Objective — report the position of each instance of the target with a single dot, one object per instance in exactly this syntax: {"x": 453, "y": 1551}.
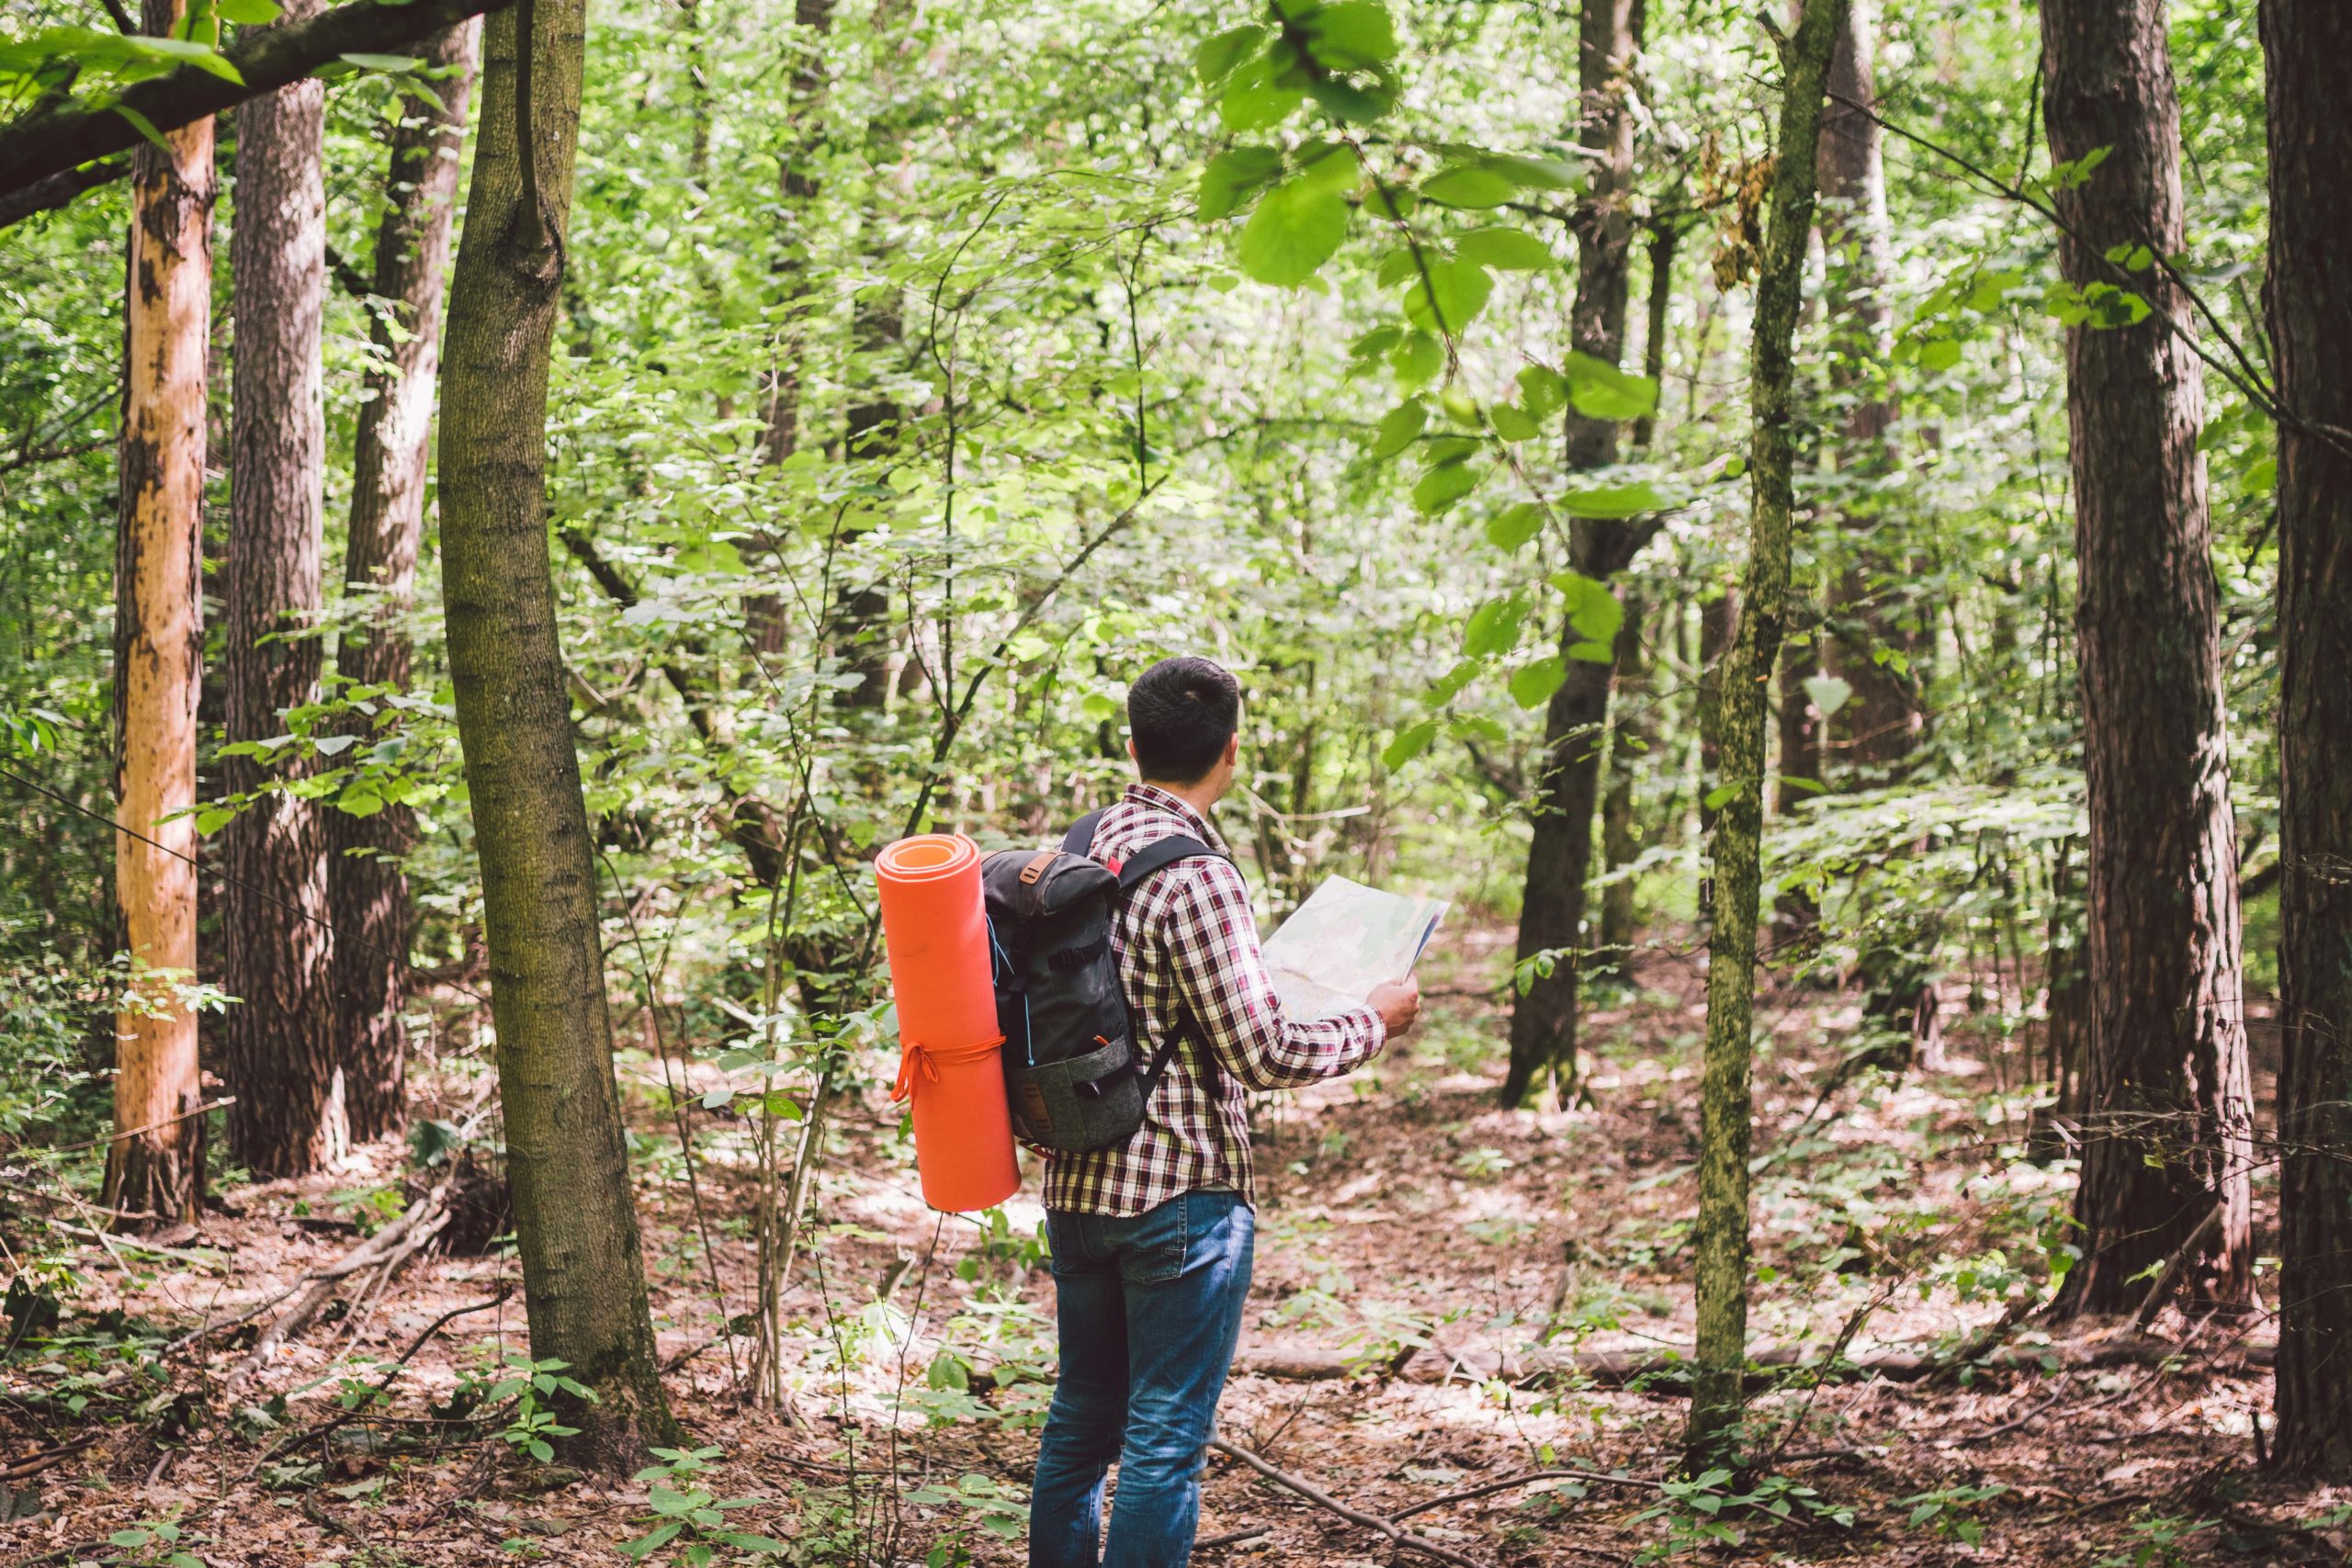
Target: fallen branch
{"x": 319, "y": 1432}
{"x": 388, "y": 1248}
{"x": 1667, "y": 1372}
{"x": 1396, "y": 1534}
{"x": 1592, "y": 1477}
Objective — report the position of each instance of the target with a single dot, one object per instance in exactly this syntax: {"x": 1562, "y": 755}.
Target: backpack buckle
{"x": 1036, "y": 868}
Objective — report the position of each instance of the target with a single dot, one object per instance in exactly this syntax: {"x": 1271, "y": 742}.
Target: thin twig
{"x": 1313, "y": 1494}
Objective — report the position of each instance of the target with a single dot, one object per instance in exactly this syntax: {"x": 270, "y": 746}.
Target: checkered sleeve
{"x": 1213, "y": 940}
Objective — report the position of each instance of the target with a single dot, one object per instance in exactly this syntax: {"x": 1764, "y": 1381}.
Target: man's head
{"x": 1183, "y": 719}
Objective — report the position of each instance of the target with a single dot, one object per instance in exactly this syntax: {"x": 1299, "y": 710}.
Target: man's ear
{"x": 1233, "y": 748}
{"x": 1131, "y": 754}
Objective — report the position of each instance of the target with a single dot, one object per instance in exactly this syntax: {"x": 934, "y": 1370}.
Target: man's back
{"x": 1187, "y": 946}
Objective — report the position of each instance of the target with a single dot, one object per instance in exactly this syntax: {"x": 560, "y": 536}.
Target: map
{"x": 1343, "y": 941}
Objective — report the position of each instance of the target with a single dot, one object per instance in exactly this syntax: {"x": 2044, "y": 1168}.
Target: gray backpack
{"x": 1070, "y": 1073}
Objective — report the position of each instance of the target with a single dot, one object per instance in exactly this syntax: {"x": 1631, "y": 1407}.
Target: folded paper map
{"x": 1344, "y": 941}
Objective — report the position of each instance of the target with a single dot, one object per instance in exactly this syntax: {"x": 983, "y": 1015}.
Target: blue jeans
{"x": 1149, "y": 1309}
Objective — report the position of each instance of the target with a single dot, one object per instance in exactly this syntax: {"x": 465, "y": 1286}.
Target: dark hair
{"x": 1181, "y": 712}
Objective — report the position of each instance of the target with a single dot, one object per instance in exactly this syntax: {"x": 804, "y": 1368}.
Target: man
{"x": 1151, "y": 1240}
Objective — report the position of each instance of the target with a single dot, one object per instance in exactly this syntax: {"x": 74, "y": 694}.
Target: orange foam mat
{"x": 936, "y": 930}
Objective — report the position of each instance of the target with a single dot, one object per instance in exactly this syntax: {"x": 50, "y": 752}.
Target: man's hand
{"x": 1398, "y": 1003}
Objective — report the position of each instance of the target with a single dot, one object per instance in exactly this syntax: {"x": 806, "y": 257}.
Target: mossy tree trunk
{"x": 575, "y": 1220}
{"x": 1724, "y": 1109}
{"x": 369, "y": 890}
{"x": 2168, "y": 1113}
{"x": 156, "y": 1163}
{"x": 2308, "y": 47}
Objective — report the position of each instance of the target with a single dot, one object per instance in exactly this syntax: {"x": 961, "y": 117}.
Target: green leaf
{"x": 1531, "y": 685}
{"x": 1515, "y": 525}
{"x": 1542, "y": 389}
{"x": 1354, "y": 35}
{"x": 1418, "y": 359}
{"x": 1460, "y": 288}
{"x": 1939, "y": 354}
{"x": 1215, "y": 58}
{"x": 1493, "y": 627}
{"x": 1411, "y": 742}
{"x": 1593, "y": 611}
{"x": 1611, "y": 501}
{"x": 1232, "y": 176}
{"x": 246, "y": 12}
{"x": 1591, "y": 652}
{"x": 646, "y": 1545}
{"x": 1444, "y": 485}
{"x": 1467, "y": 186}
{"x": 1506, "y": 250}
{"x": 129, "y": 1540}
{"x": 1399, "y": 428}
{"x": 1293, "y": 233}
{"x": 1514, "y": 423}
{"x": 395, "y": 63}
{"x": 1721, "y": 796}
{"x": 1601, "y": 390}
{"x": 1828, "y": 693}
{"x": 1532, "y": 173}
{"x": 1252, "y": 103}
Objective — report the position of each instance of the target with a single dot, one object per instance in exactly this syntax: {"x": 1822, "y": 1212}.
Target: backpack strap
{"x": 1133, "y": 873}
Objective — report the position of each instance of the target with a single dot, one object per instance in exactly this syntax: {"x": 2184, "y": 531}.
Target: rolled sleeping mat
{"x": 936, "y": 930}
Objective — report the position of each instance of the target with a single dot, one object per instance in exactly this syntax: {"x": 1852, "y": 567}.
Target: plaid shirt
{"x": 1188, "y": 935}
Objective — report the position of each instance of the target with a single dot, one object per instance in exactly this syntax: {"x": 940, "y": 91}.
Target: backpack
{"x": 1071, "y": 1074}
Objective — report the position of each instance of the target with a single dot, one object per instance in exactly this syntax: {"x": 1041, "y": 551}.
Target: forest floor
{"x": 1415, "y": 1243}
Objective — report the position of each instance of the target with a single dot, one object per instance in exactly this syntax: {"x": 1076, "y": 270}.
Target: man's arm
{"x": 1221, "y": 975}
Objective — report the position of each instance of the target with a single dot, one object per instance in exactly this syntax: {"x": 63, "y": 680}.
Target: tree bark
{"x": 1871, "y": 647}
{"x": 567, "y": 1158}
{"x": 2307, "y": 45}
{"x": 370, "y": 890}
{"x": 156, "y": 1163}
{"x": 282, "y": 1062}
{"x": 1724, "y": 1099}
{"x": 1559, "y": 850}
{"x": 2167, "y": 1133}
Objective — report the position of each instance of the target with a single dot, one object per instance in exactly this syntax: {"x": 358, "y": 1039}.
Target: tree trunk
{"x": 1632, "y": 735}
{"x": 283, "y": 1064}
{"x": 370, "y": 890}
{"x": 766, "y": 616}
{"x": 2169, "y": 1123}
{"x": 1559, "y": 852}
{"x": 575, "y": 1221}
{"x": 156, "y": 1163}
{"x": 1634, "y": 726}
{"x": 1725, "y": 1101}
{"x": 2308, "y": 47}
{"x": 1871, "y": 647}
{"x": 1797, "y": 770}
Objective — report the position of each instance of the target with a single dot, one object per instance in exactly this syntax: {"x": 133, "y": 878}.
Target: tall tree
{"x": 2168, "y": 1113}
{"x": 1567, "y": 786}
{"x": 575, "y": 1221}
{"x": 155, "y": 1164}
{"x": 1870, "y": 647}
{"x": 2307, "y": 48}
{"x": 1720, "y": 1361}
{"x": 283, "y": 1066}
{"x": 1632, "y": 721}
{"x": 369, "y": 890}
